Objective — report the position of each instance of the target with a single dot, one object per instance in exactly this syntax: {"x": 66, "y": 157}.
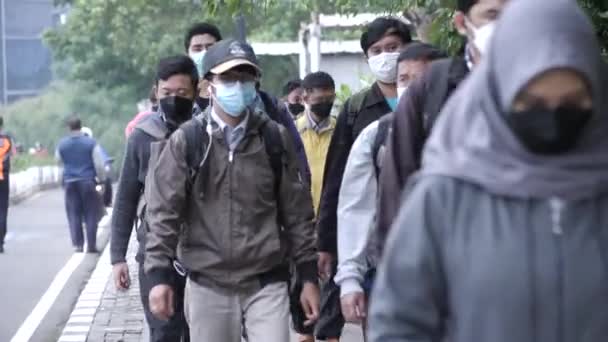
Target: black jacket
{"x": 131, "y": 187}
{"x": 374, "y": 106}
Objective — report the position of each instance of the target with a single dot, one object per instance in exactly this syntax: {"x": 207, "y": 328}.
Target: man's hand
{"x": 324, "y": 264}
{"x": 354, "y": 307}
{"x": 162, "y": 302}
{"x": 122, "y": 281}
{"x": 309, "y": 299}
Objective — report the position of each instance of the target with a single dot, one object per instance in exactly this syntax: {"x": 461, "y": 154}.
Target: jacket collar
{"x": 375, "y": 97}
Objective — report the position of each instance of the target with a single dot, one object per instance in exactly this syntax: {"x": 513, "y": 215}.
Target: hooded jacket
{"x": 495, "y": 243}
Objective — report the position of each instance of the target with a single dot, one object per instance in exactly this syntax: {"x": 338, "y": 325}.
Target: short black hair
{"x": 201, "y": 28}
{"x": 318, "y": 80}
{"x": 74, "y": 123}
{"x": 421, "y": 51}
{"x": 466, "y": 5}
{"x": 176, "y": 65}
{"x": 380, "y": 28}
{"x": 291, "y": 86}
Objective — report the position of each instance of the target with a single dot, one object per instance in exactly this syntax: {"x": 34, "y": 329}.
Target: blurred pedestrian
{"x": 82, "y": 162}
{"x": 6, "y": 146}
{"x": 293, "y": 98}
{"x": 503, "y": 236}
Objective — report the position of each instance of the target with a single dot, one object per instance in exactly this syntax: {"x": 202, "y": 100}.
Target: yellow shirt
{"x": 316, "y": 139}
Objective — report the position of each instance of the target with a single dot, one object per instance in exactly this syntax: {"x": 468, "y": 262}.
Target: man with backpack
{"x": 358, "y": 195}
{"x": 226, "y": 199}
{"x": 175, "y": 86}
{"x": 6, "y": 148}
{"x": 382, "y": 42}
{"x": 419, "y": 108}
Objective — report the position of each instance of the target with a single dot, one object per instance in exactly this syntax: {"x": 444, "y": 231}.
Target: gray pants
{"x": 221, "y": 315}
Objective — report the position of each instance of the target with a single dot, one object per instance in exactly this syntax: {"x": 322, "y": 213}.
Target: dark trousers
{"x": 174, "y": 330}
{"x": 82, "y": 202}
{"x": 331, "y": 322}
{"x": 4, "y": 197}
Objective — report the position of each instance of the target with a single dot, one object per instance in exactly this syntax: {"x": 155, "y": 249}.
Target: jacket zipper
{"x": 557, "y": 208}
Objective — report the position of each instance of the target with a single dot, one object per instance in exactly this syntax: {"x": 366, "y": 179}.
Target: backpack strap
{"x": 196, "y": 141}
{"x": 384, "y": 125}
{"x": 273, "y": 142}
{"x": 436, "y": 92}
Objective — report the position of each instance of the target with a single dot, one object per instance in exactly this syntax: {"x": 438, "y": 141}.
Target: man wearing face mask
{"x": 293, "y": 98}
{"x": 358, "y": 197}
{"x": 175, "y": 87}
{"x": 199, "y": 38}
{"x": 382, "y": 41}
{"x": 316, "y": 127}
{"x": 245, "y": 213}
{"x": 420, "y": 106}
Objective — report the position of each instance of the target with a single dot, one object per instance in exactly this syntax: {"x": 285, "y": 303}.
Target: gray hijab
{"x": 472, "y": 141}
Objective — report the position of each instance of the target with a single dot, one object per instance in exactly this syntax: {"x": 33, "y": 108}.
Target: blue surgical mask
{"x": 235, "y": 97}
{"x": 198, "y": 58}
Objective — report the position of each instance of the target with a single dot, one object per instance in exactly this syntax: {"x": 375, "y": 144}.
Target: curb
{"x": 81, "y": 319}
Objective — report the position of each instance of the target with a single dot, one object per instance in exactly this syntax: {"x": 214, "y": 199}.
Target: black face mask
{"x": 176, "y": 110}
{"x": 295, "y": 108}
{"x": 322, "y": 109}
{"x": 549, "y": 132}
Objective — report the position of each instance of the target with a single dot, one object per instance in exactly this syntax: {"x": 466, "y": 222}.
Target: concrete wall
{"x": 32, "y": 180}
{"x": 346, "y": 69}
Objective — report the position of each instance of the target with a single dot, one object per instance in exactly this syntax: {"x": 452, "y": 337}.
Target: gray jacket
{"x": 463, "y": 265}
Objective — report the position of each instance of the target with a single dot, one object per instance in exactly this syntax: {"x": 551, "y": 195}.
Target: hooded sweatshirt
{"x": 495, "y": 243}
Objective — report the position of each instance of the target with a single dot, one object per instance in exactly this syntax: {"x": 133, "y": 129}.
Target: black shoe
{"x": 78, "y": 249}
{"x": 92, "y": 251}
{"x": 1, "y": 249}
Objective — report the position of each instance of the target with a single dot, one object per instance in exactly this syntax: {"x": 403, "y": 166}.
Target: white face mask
{"x": 483, "y": 36}
{"x": 198, "y": 58}
{"x": 401, "y": 91}
{"x": 384, "y": 66}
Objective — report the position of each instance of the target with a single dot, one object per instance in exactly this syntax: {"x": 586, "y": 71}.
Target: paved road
{"x": 37, "y": 248}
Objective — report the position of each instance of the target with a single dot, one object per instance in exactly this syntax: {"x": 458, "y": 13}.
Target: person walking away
{"x": 420, "y": 107}
{"x": 503, "y": 235}
{"x": 83, "y": 163}
{"x": 230, "y": 179}
{"x": 316, "y": 127}
{"x": 382, "y": 42}
{"x": 293, "y": 98}
{"x": 6, "y": 147}
{"x": 175, "y": 84}
{"x": 357, "y": 259}
{"x": 199, "y": 38}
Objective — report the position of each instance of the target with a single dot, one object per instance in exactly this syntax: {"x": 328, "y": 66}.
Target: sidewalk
{"x": 103, "y": 314}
